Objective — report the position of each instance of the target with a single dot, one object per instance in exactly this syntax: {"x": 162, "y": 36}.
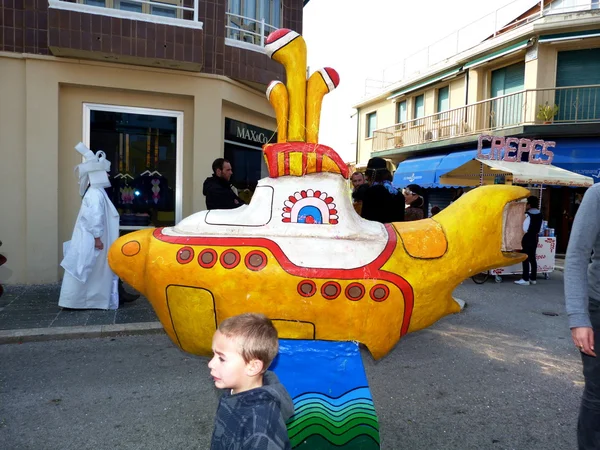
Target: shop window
{"x": 248, "y": 167}
{"x": 143, "y": 148}
{"x": 243, "y": 149}
{"x": 371, "y": 124}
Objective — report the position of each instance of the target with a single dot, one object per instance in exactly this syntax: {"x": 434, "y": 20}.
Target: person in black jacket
{"x": 217, "y": 188}
{"x": 382, "y": 202}
{"x": 531, "y": 227}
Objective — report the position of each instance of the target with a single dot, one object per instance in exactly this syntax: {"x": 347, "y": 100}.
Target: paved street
{"x": 503, "y": 374}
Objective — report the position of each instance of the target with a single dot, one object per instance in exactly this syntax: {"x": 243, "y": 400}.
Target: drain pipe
{"x": 357, "y": 114}
{"x": 466, "y": 96}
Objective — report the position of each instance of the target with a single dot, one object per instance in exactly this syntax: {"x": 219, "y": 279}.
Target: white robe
{"x": 89, "y": 283}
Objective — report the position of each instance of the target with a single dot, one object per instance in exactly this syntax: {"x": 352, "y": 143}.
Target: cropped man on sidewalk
{"x": 582, "y": 298}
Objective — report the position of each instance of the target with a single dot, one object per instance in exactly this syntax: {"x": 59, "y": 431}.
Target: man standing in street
{"x": 531, "y": 226}
{"x": 217, "y": 188}
{"x": 582, "y": 298}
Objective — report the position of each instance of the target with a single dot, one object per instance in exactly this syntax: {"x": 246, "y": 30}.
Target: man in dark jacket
{"x": 382, "y": 202}
{"x": 531, "y": 227}
{"x": 217, "y": 188}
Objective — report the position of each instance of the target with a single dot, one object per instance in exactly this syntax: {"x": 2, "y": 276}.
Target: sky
{"x": 367, "y": 39}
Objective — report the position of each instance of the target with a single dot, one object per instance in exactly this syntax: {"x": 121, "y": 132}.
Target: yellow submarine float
{"x": 300, "y": 254}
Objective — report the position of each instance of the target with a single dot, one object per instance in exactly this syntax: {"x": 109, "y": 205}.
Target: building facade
{"x": 163, "y": 88}
{"x": 536, "y": 77}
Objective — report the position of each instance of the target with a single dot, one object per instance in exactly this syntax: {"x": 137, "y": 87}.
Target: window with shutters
{"x": 580, "y": 71}
{"x": 401, "y": 113}
{"x": 419, "y": 108}
{"x": 507, "y": 88}
{"x": 371, "y": 124}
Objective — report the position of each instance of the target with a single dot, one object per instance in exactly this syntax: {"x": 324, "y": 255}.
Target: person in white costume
{"x": 89, "y": 283}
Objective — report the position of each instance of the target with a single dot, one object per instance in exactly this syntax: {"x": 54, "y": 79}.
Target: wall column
{"x": 41, "y": 163}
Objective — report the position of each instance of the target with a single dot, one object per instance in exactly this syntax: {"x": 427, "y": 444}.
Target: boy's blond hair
{"x": 255, "y": 335}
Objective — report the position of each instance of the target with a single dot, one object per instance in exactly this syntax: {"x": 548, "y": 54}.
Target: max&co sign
{"x": 512, "y": 149}
{"x": 248, "y": 134}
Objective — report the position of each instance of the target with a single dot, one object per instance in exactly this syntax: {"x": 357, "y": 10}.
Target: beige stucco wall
{"x": 386, "y": 111}
{"x": 386, "y": 116}
{"x": 457, "y": 92}
{"x": 13, "y": 180}
{"x": 41, "y": 121}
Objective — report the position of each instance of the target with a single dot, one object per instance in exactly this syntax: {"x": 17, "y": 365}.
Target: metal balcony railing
{"x": 168, "y": 9}
{"x": 248, "y": 29}
{"x": 578, "y": 104}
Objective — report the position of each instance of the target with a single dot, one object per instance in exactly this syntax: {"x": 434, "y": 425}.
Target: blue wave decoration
{"x": 332, "y": 401}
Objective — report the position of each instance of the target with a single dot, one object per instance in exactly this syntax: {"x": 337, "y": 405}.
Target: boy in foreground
{"x": 255, "y": 406}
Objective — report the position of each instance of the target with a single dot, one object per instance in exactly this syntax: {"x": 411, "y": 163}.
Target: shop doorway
{"x": 243, "y": 149}
{"x": 144, "y": 147}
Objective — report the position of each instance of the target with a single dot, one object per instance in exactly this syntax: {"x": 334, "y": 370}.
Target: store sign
{"x": 248, "y": 134}
{"x": 412, "y": 178}
{"x": 512, "y": 149}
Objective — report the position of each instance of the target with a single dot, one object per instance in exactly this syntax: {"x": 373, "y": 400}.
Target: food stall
{"x": 522, "y": 162}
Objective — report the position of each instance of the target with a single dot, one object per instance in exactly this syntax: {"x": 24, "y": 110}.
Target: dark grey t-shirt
{"x": 582, "y": 277}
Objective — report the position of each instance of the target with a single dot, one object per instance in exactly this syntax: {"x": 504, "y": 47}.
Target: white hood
{"x": 93, "y": 170}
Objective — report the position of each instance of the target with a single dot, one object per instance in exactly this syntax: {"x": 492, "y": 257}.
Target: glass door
{"x": 144, "y": 147}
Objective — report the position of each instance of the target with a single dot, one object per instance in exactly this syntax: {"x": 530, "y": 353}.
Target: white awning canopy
{"x": 501, "y": 172}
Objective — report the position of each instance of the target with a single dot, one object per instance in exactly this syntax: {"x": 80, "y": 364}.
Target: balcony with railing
{"x": 159, "y": 33}
{"x": 172, "y": 12}
{"x": 247, "y": 32}
{"x": 560, "y": 105}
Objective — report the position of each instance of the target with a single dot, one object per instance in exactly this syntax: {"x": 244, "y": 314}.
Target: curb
{"x": 81, "y": 332}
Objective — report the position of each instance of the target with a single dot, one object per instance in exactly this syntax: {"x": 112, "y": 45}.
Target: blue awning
{"x": 581, "y": 156}
{"x": 426, "y": 171}
{"x": 419, "y": 171}
{"x": 454, "y": 160}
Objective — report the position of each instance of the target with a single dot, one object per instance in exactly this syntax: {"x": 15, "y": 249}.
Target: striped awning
{"x": 483, "y": 171}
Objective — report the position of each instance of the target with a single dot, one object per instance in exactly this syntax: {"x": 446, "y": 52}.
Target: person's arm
{"x": 92, "y": 216}
{"x": 222, "y": 198}
{"x": 584, "y": 234}
{"x": 268, "y": 430}
{"x": 526, "y": 223}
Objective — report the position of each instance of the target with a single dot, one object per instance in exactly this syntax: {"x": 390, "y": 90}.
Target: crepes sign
{"x": 512, "y": 149}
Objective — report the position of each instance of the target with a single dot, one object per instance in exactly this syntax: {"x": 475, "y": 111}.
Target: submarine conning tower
{"x": 297, "y": 106}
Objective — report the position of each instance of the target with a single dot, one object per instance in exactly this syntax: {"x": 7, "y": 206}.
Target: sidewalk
{"x": 29, "y": 313}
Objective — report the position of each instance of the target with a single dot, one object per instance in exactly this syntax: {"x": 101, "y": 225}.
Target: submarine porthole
{"x": 379, "y": 292}
{"x": 131, "y": 248}
{"x": 355, "y": 291}
{"x": 307, "y": 288}
{"x": 230, "y": 258}
{"x": 207, "y": 258}
{"x": 255, "y": 260}
{"x": 331, "y": 290}
{"x": 185, "y": 255}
